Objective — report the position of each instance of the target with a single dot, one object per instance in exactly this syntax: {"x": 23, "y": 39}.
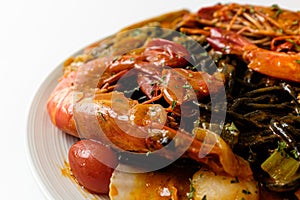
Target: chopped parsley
{"x": 295, "y": 22}
{"x": 187, "y": 86}
{"x": 294, "y": 43}
{"x": 192, "y": 191}
{"x": 232, "y": 127}
{"x": 281, "y": 146}
{"x": 101, "y": 116}
{"x": 173, "y": 104}
{"x": 295, "y": 153}
{"x": 278, "y": 10}
{"x": 252, "y": 9}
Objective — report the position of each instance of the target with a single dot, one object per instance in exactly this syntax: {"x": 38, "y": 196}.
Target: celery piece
{"x": 280, "y": 166}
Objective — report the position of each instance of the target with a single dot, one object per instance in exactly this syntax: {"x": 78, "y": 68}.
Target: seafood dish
{"x": 187, "y": 105}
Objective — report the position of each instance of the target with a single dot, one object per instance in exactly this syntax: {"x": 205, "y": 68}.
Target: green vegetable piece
{"x": 280, "y": 166}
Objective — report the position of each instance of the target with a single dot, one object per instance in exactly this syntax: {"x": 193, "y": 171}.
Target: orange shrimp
{"x": 276, "y": 64}
{"x": 60, "y": 105}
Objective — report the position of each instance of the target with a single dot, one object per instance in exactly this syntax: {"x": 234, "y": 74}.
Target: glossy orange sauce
{"x": 66, "y": 172}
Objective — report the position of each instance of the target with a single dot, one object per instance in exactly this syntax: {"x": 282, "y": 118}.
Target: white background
{"x": 36, "y": 36}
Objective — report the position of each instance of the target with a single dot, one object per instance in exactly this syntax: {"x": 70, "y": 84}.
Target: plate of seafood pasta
{"x": 201, "y": 104}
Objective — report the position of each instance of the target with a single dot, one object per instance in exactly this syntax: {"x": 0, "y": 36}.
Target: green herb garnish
{"x": 295, "y": 22}
{"x": 281, "y": 146}
{"x": 101, "y": 116}
{"x": 192, "y": 191}
{"x": 294, "y": 153}
{"x": 232, "y": 127}
{"x": 278, "y": 10}
{"x": 293, "y": 43}
{"x": 173, "y": 104}
{"x": 187, "y": 86}
{"x": 252, "y": 9}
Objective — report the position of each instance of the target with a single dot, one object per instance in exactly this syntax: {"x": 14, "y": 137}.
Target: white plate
{"x": 48, "y": 148}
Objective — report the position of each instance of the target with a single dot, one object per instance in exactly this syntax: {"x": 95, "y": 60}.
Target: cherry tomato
{"x": 92, "y": 164}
